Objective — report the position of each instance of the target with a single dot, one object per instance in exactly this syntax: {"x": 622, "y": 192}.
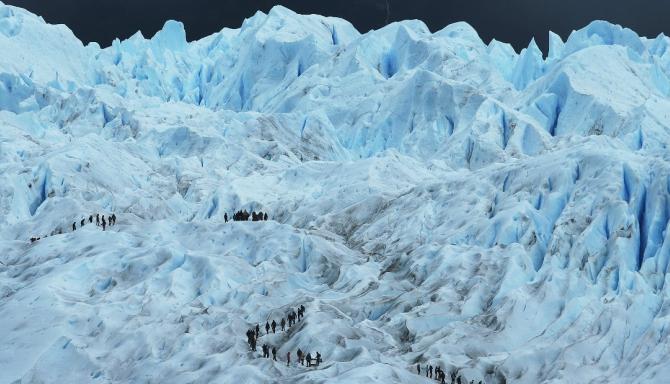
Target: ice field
{"x": 433, "y": 199}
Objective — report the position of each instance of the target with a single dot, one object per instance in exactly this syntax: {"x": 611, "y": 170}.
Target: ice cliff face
{"x": 434, "y": 200}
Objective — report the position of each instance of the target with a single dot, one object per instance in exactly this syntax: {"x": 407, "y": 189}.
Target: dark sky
{"x": 513, "y": 21}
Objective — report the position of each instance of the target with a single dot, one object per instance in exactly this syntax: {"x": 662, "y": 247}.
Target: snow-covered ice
{"x": 433, "y": 199}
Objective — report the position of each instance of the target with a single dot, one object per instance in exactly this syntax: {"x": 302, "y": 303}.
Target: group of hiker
{"x": 111, "y": 220}
{"x": 244, "y": 216}
{"x": 441, "y": 376}
{"x": 100, "y": 221}
{"x": 293, "y": 316}
{"x": 305, "y": 357}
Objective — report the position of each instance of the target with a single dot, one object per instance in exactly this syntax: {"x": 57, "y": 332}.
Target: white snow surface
{"x": 433, "y": 200}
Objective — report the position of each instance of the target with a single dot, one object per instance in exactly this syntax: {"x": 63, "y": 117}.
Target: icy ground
{"x": 433, "y": 198}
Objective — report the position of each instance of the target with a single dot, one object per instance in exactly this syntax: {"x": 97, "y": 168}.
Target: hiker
{"x": 274, "y": 353}
{"x": 90, "y": 219}
{"x": 418, "y": 368}
{"x": 74, "y": 226}
{"x": 430, "y": 371}
{"x": 309, "y": 359}
{"x": 225, "y": 217}
{"x": 283, "y": 324}
{"x": 443, "y": 377}
{"x": 265, "y": 216}
{"x": 300, "y": 360}
{"x": 274, "y": 325}
{"x": 251, "y": 339}
{"x": 266, "y": 352}
{"x": 83, "y": 221}
{"x": 437, "y": 372}
{"x": 257, "y": 330}
{"x": 318, "y": 359}
{"x": 114, "y": 218}
{"x": 294, "y": 317}
{"x": 288, "y": 358}
{"x": 267, "y": 328}
{"x": 104, "y": 223}
{"x": 253, "y": 216}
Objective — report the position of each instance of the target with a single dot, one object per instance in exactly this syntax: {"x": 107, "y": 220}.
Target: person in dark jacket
{"x": 309, "y": 359}
{"x": 104, "y": 223}
{"x": 90, "y": 219}
{"x": 258, "y": 330}
{"x": 267, "y": 328}
{"x": 74, "y": 226}
{"x": 318, "y": 359}
{"x": 274, "y": 326}
{"x": 97, "y": 219}
{"x": 283, "y": 324}
{"x": 225, "y": 217}
{"x": 418, "y": 368}
{"x": 81, "y": 224}
{"x": 265, "y": 216}
{"x": 274, "y": 353}
{"x": 288, "y": 358}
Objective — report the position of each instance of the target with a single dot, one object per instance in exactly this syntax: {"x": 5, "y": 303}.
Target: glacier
{"x": 433, "y": 200}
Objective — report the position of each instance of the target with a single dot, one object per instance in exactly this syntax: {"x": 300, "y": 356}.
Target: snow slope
{"x": 434, "y": 199}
